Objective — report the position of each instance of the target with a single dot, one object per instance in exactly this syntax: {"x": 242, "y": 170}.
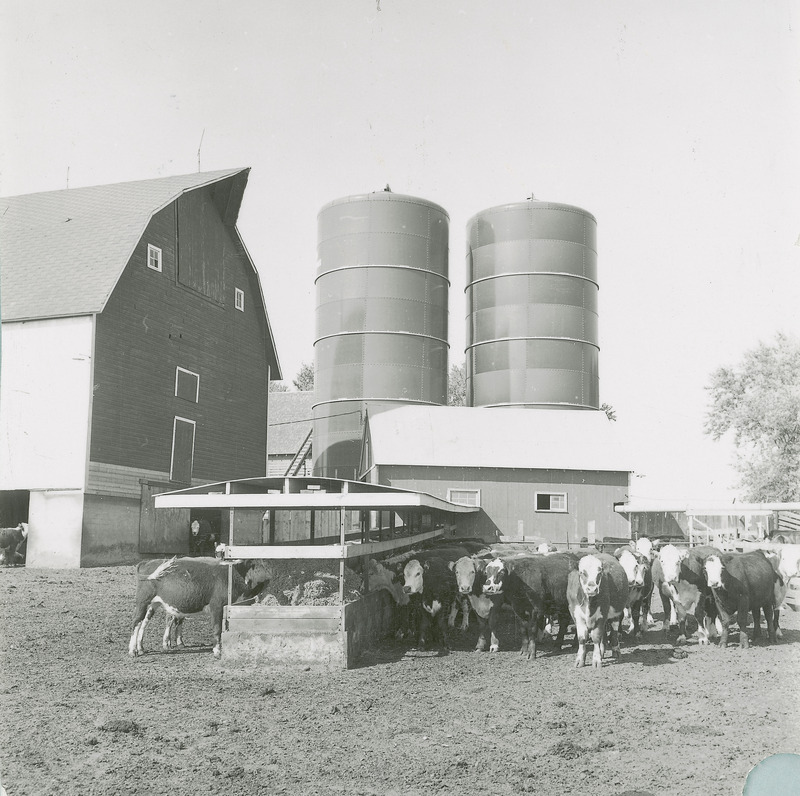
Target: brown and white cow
{"x": 380, "y": 577}
{"x": 470, "y": 572}
{"x": 741, "y": 583}
{"x": 189, "y": 586}
{"x": 678, "y": 573}
{"x": 435, "y": 583}
{"x": 12, "y": 544}
{"x": 535, "y": 586}
{"x": 597, "y": 593}
{"x": 640, "y": 588}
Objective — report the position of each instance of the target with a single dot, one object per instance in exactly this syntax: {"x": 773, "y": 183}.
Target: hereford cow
{"x": 640, "y": 588}
{"x": 203, "y": 540}
{"x": 12, "y": 544}
{"x": 535, "y": 586}
{"x": 741, "y": 583}
{"x": 189, "y": 586}
{"x": 435, "y": 583}
{"x": 597, "y": 592}
{"x": 786, "y": 563}
{"x": 682, "y": 586}
{"x": 470, "y": 574}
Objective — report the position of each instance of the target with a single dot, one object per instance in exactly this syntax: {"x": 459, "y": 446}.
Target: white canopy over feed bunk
{"x": 313, "y": 519}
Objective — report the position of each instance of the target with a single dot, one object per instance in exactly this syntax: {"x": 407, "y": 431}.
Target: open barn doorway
{"x": 14, "y": 504}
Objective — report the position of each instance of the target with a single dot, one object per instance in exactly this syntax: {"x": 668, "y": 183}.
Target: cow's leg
{"x": 144, "y": 613}
{"x": 776, "y": 618}
{"x": 465, "y": 608}
{"x": 598, "y": 638}
{"x": 757, "y": 622}
{"x": 441, "y": 624}
{"x": 166, "y": 642}
{"x": 216, "y": 627}
{"x": 614, "y": 638}
{"x": 582, "y": 636}
{"x": 482, "y": 625}
{"x": 494, "y": 645}
{"x": 769, "y": 616}
{"x": 741, "y": 616}
{"x": 563, "y": 622}
{"x": 451, "y": 618}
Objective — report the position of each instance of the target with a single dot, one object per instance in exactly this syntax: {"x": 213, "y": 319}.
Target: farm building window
{"x": 180, "y": 468}
{"x": 187, "y": 385}
{"x": 239, "y": 301}
{"x": 465, "y": 497}
{"x": 154, "y": 257}
{"x": 551, "y": 501}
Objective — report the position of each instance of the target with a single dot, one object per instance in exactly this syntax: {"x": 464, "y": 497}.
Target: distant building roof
{"x": 62, "y": 252}
{"x": 289, "y": 421}
{"x": 450, "y": 436}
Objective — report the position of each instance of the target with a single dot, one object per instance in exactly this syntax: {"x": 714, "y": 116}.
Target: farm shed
{"x": 551, "y": 474}
{"x": 289, "y": 432}
{"x": 713, "y": 522}
{"x": 137, "y": 355}
{"x": 307, "y": 520}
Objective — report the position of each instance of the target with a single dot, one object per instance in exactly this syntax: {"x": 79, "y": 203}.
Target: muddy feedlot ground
{"x": 78, "y": 716}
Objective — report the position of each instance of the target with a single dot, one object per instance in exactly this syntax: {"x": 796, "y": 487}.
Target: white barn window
{"x": 187, "y": 385}
{"x": 153, "y": 257}
{"x": 239, "y": 299}
{"x": 551, "y": 501}
{"x": 465, "y": 497}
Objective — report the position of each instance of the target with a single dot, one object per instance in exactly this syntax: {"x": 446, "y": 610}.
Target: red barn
{"x": 136, "y": 358}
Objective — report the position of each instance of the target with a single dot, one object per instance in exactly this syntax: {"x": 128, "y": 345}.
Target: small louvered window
{"x": 154, "y": 257}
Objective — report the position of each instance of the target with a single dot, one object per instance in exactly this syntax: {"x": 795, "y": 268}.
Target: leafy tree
{"x": 609, "y": 410}
{"x": 278, "y": 386}
{"x": 304, "y": 380}
{"x": 758, "y": 401}
{"x": 457, "y": 385}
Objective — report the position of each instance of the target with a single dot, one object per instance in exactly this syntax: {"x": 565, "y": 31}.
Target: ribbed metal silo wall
{"x": 381, "y": 317}
{"x": 532, "y": 307}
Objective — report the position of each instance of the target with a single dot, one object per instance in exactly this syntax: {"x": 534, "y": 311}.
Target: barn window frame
{"x": 154, "y": 258}
{"x": 238, "y": 299}
{"x": 177, "y": 419}
{"x": 452, "y": 496}
{"x": 178, "y": 371}
{"x": 558, "y": 506}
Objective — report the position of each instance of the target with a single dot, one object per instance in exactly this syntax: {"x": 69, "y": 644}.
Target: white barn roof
{"x": 450, "y": 436}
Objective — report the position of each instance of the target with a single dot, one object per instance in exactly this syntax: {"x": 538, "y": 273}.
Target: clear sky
{"x": 676, "y": 124}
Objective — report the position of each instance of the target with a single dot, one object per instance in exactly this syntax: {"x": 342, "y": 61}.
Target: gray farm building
{"x": 534, "y": 475}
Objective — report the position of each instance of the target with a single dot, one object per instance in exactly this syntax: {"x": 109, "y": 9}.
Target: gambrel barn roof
{"x": 528, "y": 439}
{"x": 62, "y": 252}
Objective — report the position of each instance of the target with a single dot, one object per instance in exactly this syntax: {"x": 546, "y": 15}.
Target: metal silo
{"x": 532, "y": 307}
{"x": 381, "y": 317}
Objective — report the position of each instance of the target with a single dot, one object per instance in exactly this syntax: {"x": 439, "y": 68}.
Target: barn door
{"x": 163, "y": 531}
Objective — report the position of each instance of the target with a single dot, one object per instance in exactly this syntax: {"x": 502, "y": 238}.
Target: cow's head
{"x": 590, "y": 570}
{"x": 713, "y": 569}
{"x": 23, "y": 526}
{"x": 640, "y": 573}
{"x": 256, "y": 572}
{"x": 496, "y": 572}
{"x": 465, "y": 570}
{"x": 382, "y": 578}
{"x": 671, "y": 558}
{"x": 644, "y": 547}
{"x": 195, "y": 528}
{"x": 412, "y": 572}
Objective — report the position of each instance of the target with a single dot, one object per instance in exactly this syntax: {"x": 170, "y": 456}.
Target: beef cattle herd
{"x": 593, "y": 591}
{"x": 596, "y": 592}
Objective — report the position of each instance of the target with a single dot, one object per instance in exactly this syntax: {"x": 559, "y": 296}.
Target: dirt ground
{"x": 78, "y": 716}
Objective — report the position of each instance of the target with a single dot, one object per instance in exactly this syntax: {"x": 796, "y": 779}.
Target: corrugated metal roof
{"x": 451, "y": 436}
{"x": 62, "y": 252}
